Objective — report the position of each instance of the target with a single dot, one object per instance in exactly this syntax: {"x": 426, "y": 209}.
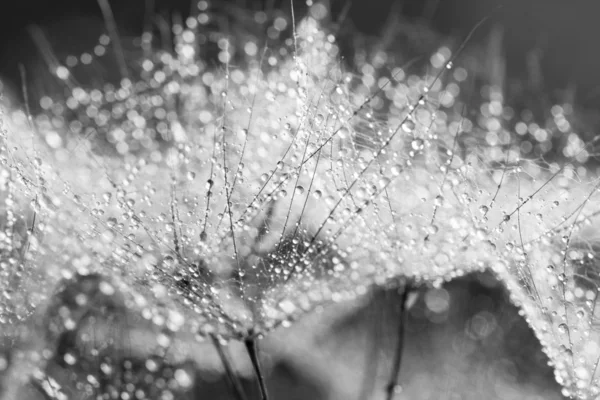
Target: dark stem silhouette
{"x": 232, "y": 378}
{"x": 252, "y": 348}
{"x": 392, "y": 386}
{"x": 373, "y": 349}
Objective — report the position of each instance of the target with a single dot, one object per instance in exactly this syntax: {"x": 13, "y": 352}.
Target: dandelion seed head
{"x": 235, "y": 194}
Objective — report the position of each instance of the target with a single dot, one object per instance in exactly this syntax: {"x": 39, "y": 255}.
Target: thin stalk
{"x": 111, "y": 27}
{"x": 40, "y": 389}
{"x": 232, "y": 377}
{"x": 373, "y": 347}
{"x": 252, "y": 348}
{"x": 392, "y": 385}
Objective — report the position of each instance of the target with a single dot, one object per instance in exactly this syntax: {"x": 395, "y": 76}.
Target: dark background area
{"x": 560, "y": 33}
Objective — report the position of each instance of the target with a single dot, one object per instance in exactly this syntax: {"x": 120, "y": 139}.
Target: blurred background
{"x": 548, "y": 38}
{"x": 537, "y": 53}
{"x": 463, "y": 340}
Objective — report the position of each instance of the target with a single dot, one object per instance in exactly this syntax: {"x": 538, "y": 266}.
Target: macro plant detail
{"x": 230, "y": 184}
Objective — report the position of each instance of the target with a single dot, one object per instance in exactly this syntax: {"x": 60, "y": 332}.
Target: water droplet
{"x": 417, "y": 144}
{"x": 432, "y": 229}
{"x": 111, "y": 222}
{"x": 169, "y": 261}
{"x": 69, "y": 359}
{"x": 408, "y": 126}
{"x": 183, "y": 378}
{"x": 396, "y": 169}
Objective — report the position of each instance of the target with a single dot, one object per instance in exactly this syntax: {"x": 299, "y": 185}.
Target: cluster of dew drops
{"x": 232, "y": 184}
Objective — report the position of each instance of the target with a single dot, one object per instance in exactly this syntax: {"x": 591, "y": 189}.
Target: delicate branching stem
{"x": 390, "y": 388}
{"x": 25, "y": 248}
{"x": 111, "y": 27}
{"x": 45, "y": 48}
{"x": 147, "y": 36}
{"x": 232, "y": 377}
{"x": 252, "y": 349}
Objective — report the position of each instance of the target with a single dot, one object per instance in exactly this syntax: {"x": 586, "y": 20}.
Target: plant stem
{"x": 390, "y": 388}
{"x": 232, "y": 377}
{"x": 373, "y": 346}
{"x": 111, "y": 27}
{"x": 37, "y": 385}
{"x": 252, "y": 349}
